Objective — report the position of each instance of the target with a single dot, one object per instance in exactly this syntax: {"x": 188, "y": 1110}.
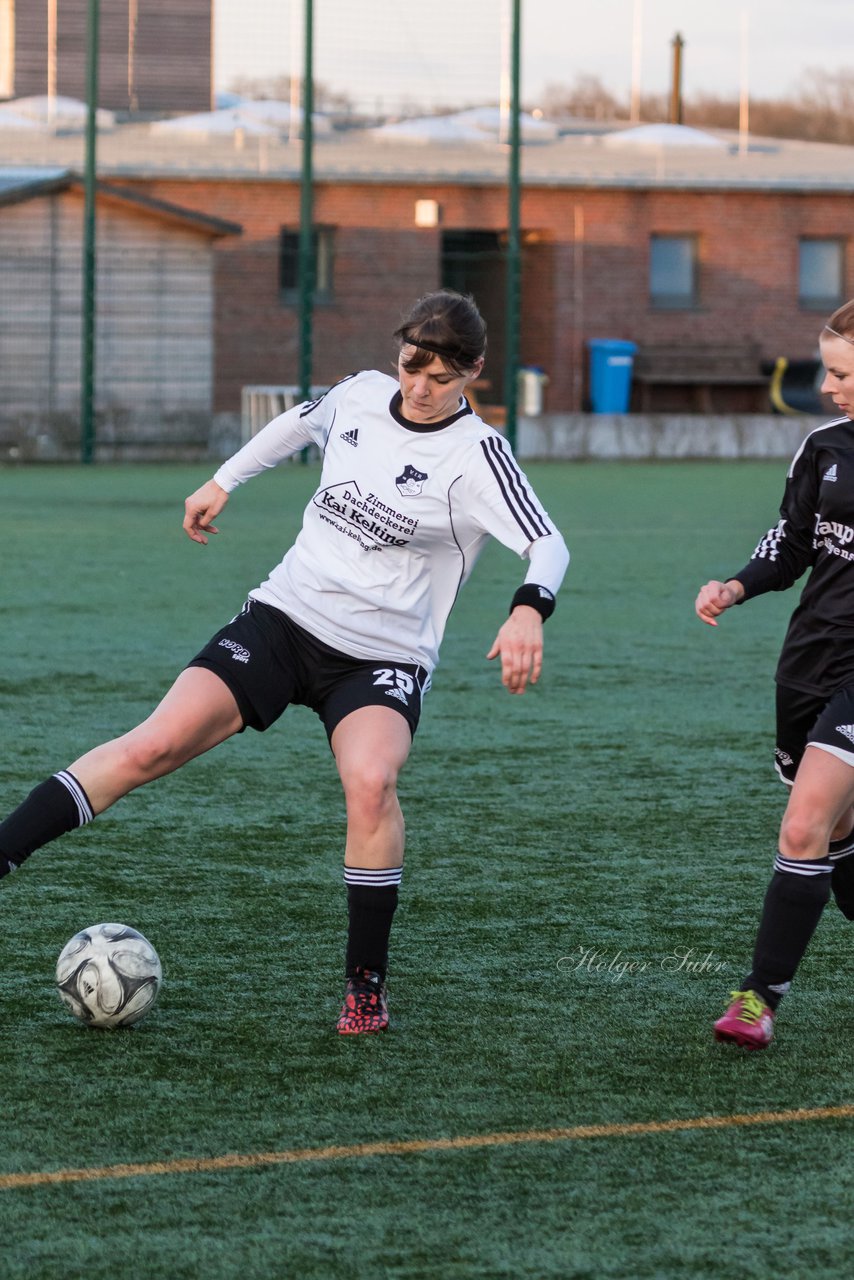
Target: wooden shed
{"x": 155, "y": 305}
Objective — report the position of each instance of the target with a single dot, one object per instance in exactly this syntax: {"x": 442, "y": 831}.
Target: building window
{"x": 474, "y": 260}
{"x": 821, "y": 273}
{"x": 322, "y": 242}
{"x": 673, "y": 271}
{"x": 469, "y": 255}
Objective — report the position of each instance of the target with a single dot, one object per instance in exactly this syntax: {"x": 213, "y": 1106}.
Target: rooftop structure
{"x": 671, "y": 238}
{"x": 451, "y": 149}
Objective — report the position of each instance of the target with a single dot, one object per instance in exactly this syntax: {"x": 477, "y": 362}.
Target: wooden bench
{"x": 699, "y": 368}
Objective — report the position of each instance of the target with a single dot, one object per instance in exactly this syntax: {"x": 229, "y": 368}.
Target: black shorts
{"x": 268, "y": 662}
{"x": 808, "y": 717}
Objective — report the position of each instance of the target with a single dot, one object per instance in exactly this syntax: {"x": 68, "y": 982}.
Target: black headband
{"x": 458, "y": 357}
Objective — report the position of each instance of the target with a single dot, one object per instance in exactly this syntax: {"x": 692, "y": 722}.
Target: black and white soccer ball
{"x": 108, "y": 975}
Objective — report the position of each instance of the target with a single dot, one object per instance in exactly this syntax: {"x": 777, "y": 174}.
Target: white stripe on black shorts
{"x": 833, "y": 731}
{"x": 269, "y": 662}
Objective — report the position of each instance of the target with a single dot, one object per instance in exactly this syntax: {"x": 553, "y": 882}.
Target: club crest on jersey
{"x": 410, "y": 482}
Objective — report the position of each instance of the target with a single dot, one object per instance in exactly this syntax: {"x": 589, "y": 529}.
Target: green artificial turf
{"x": 585, "y": 868}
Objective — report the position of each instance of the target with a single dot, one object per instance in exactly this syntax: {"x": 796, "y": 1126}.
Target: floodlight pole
{"x": 87, "y": 371}
{"x": 305, "y": 257}
{"x": 514, "y": 257}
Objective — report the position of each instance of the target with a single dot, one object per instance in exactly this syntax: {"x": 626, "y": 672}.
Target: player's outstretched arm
{"x": 201, "y": 509}
{"x": 520, "y": 644}
{"x": 715, "y": 597}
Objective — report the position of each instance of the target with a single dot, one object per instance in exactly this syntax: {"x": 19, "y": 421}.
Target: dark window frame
{"x": 460, "y": 247}
{"x": 323, "y": 258}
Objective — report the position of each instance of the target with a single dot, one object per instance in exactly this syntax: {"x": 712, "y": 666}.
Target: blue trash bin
{"x": 611, "y": 364}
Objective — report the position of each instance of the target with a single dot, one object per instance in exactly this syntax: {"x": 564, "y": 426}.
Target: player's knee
{"x": 148, "y": 754}
{"x": 803, "y": 835}
{"x": 370, "y": 788}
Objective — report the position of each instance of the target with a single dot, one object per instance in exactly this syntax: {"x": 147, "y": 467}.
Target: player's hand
{"x": 520, "y": 644}
{"x": 715, "y": 597}
{"x": 201, "y": 509}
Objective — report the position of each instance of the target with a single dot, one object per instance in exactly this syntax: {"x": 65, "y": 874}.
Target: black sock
{"x": 797, "y": 895}
{"x": 371, "y": 904}
{"x": 58, "y": 805}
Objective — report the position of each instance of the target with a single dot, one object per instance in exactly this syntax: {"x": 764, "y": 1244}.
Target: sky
{"x": 386, "y": 51}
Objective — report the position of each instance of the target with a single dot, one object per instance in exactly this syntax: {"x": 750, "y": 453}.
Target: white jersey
{"x": 399, "y": 517}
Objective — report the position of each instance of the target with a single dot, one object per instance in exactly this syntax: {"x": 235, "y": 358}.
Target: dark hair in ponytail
{"x": 445, "y": 324}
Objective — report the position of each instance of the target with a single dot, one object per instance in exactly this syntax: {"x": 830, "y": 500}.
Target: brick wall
{"x": 585, "y": 271}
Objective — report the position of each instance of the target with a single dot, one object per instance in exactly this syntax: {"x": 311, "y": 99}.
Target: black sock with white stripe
{"x": 54, "y": 807}
{"x": 371, "y": 904}
{"x": 797, "y": 895}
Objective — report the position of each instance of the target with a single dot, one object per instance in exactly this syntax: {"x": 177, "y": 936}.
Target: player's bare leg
{"x": 824, "y": 784}
{"x": 845, "y": 825}
{"x": 370, "y": 746}
{"x": 819, "y": 805}
{"x": 197, "y": 713}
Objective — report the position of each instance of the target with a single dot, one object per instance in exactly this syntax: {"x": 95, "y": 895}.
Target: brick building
{"x": 155, "y": 54}
{"x": 667, "y": 250}
{"x": 672, "y": 247}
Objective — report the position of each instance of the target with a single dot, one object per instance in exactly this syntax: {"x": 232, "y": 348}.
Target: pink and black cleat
{"x": 748, "y": 1022}
{"x": 365, "y": 1009}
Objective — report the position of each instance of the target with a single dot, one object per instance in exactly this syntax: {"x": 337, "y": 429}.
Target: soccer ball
{"x": 108, "y": 975}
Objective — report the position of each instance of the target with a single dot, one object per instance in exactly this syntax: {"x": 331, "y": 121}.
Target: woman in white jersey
{"x": 350, "y": 622}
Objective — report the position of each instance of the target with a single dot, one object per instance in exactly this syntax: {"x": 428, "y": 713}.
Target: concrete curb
{"x": 659, "y": 436}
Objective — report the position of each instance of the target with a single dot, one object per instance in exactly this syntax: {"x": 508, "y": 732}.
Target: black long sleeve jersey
{"x": 815, "y": 532}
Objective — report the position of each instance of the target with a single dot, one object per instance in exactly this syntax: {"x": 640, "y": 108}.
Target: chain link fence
{"x": 198, "y": 211}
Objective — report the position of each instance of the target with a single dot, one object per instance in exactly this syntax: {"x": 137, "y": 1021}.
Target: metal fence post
{"x": 87, "y": 369}
{"x": 514, "y": 261}
{"x": 305, "y": 262}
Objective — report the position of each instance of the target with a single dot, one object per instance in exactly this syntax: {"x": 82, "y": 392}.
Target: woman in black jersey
{"x": 815, "y": 694}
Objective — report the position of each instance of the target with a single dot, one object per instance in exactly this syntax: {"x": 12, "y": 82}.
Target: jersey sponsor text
{"x": 342, "y": 501}
{"x": 842, "y": 532}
